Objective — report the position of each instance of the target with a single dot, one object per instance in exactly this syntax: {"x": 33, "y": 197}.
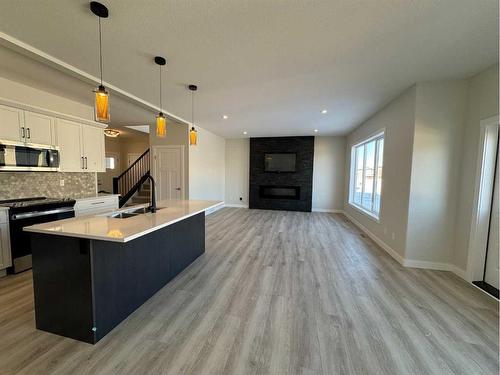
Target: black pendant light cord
{"x": 161, "y": 100}
{"x": 100, "y": 48}
{"x": 192, "y": 109}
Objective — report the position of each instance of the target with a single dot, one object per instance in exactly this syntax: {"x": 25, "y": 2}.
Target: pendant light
{"x": 161, "y": 120}
{"x": 101, "y": 95}
{"x": 193, "y": 134}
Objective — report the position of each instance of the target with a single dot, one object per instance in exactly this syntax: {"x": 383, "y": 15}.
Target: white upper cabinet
{"x": 69, "y": 142}
{"x": 11, "y": 124}
{"x": 39, "y": 128}
{"x": 81, "y": 143}
{"x": 81, "y": 147}
{"x": 93, "y": 148}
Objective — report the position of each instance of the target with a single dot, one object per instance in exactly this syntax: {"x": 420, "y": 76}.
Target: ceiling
{"x": 270, "y": 65}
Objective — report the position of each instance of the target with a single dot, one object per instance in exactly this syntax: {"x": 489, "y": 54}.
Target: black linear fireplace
{"x": 281, "y": 173}
{"x": 280, "y": 192}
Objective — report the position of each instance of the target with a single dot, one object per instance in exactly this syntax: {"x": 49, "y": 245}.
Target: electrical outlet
{"x": 61, "y": 182}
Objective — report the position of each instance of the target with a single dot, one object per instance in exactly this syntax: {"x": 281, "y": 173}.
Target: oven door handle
{"x": 27, "y": 215}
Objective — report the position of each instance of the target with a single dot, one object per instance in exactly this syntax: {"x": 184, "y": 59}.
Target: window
{"x": 110, "y": 162}
{"x": 366, "y": 175}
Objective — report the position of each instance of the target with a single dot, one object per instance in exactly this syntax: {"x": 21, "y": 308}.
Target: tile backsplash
{"x": 47, "y": 184}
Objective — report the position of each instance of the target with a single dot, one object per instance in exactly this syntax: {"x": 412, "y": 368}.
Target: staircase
{"x": 131, "y": 184}
{"x": 143, "y": 195}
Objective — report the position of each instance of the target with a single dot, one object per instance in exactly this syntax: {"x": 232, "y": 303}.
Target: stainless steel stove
{"x": 28, "y": 211}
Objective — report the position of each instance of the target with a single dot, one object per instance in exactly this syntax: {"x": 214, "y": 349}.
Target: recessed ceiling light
{"x": 324, "y": 111}
{"x": 245, "y": 133}
{"x": 315, "y": 130}
{"x": 225, "y": 117}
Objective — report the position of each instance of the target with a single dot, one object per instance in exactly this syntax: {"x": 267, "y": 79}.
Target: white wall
{"x": 207, "y": 167}
{"x": 430, "y": 161}
{"x": 398, "y": 120}
{"x": 439, "y": 118}
{"x": 482, "y": 103}
{"x": 237, "y": 171}
{"x": 328, "y": 173}
{"x": 22, "y": 93}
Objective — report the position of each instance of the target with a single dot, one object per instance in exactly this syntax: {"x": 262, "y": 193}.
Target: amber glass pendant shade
{"x": 161, "y": 125}
{"x": 193, "y": 137}
{"x": 102, "y": 105}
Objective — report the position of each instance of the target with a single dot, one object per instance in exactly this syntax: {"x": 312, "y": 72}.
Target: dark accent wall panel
{"x": 303, "y": 147}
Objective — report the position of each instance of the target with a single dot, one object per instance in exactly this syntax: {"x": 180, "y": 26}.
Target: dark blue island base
{"x": 84, "y": 288}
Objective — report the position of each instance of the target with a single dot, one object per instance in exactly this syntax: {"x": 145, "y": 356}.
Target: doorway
{"x": 483, "y": 263}
{"x": 491, "y": 269}
{"x": 131, "y": 158}
{"x": 168, "y": 172}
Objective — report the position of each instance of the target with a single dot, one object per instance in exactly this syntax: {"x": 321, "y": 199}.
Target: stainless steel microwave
{"x": 18, "y": 157}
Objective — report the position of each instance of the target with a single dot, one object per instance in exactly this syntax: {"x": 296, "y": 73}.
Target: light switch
{"x": 61, "y": 182}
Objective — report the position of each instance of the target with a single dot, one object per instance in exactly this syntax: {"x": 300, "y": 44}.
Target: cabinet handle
{"x": 86, "y": 164}
{"x": 83, "y": 163}
{"x": 23, "y": 134}
{"x": 28, "y": 133}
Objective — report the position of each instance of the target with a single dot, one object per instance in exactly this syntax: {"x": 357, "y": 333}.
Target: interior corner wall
{"x": 207, "y": 167}
{"x": 177, "y": 134}
{"x": 483, "y": 103}
{"x": 439, "y": 117}
{"x": 398, "y": 120}
{"x": 237, "y": 171}
{"x": 328, "y": 173}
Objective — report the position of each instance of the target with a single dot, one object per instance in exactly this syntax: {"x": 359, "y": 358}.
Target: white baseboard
{"x": 459, "y": 272}
{"x": 235, "y": 205}
{"x": 410, "y": 263}
{"x": 436, "y": 266}
{"x": 329, "y": 210}
{"x": 377, "y": 240}
{"x": 213, "y": 209}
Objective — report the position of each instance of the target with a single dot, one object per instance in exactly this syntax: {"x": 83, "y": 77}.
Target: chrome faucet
{"x": 152, "y": 208}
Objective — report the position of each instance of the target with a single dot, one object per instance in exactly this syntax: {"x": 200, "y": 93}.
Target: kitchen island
{"x": 91, "y": 272}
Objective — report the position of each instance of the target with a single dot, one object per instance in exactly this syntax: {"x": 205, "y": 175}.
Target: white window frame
{"x": 352, "y": 185}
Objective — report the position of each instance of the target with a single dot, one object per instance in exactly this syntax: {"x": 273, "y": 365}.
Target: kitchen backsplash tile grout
{"x": 32, "y": 184}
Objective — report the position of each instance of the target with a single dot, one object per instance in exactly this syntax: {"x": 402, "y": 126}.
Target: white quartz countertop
{"x": 103, "y": 227}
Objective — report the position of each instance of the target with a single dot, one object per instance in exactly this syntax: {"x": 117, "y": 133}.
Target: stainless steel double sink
{"x": 130, "y": 213}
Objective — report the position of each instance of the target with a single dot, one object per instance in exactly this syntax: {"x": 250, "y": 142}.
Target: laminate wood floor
{"x": 276, "y": 293}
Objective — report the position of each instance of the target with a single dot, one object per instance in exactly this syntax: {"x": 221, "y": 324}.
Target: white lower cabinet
{"x": 96, "y": 205}
{"x": 81, "y": 147}
{"x": 5, "y": 255}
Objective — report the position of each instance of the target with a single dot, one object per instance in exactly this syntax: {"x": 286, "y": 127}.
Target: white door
{"x": 11, "y": 128}
{"x": 131, "y": 158}
{"x": 39, "y": 128}
{"x": 93, "y": 148}
{"x": 69, "y": 142}
{"x": 168, "y": 172}
{"x": 492, "y": 271}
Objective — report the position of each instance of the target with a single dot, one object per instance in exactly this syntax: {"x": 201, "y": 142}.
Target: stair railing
{"x": 127, "y": 183}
